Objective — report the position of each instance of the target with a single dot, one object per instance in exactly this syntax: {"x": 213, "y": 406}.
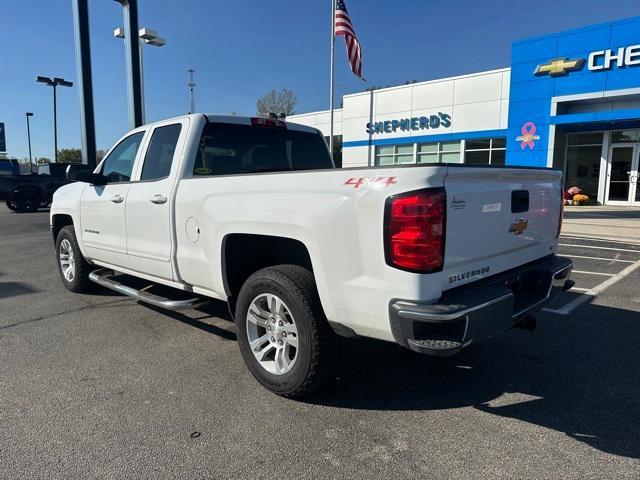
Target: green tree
{"x": 69, "y": 155}
{"x": 277, "y": 104}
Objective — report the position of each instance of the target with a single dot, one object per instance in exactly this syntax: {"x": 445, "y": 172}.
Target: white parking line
{"x": 600, "y": 258}
{"x": 598, "y": 248}
{"x": 595, "y": 291}
{"x": 601, "y": 240}
{"x": 594, "y": 273}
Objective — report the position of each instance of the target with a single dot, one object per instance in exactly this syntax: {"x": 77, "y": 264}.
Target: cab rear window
{"x": 227, "y": 149}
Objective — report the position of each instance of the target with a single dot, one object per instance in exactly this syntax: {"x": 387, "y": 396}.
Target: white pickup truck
{"x": 253, "y": 212}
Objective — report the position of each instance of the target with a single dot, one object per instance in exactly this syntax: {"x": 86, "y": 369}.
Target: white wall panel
{"x": 358, "y": 105}
{"x": 432, "y": 95}
{"x": 392, "y": 101}
{"x": 476, "y": 116}
{"x": 504, "y": 113}
{"x": 355, "y": 129}
{"x": 506, "y": 83}
{"x": 478, "y": 88}
{"x": 356, "y": 157}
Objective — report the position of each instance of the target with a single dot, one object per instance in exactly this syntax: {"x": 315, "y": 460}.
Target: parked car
{"x": 252, "y": 211}
{"x": 28, "y": 193}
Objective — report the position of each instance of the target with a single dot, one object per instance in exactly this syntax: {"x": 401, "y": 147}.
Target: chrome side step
{"x": 103, "y": 277}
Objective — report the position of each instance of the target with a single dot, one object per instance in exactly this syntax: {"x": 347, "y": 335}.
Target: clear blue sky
{"x": 243, "y": 48}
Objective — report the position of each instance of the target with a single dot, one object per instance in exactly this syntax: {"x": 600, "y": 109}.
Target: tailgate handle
{"x": 519, "y": 201}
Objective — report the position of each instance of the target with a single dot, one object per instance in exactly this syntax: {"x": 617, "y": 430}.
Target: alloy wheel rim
{"x": 272, "y": 334}
{"x": 67, "y": 260}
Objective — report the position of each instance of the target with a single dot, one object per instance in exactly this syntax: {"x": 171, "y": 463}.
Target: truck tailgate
{"x": 498, "y": 219}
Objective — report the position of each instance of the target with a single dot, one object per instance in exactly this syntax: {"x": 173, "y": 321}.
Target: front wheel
{"x": 11, "y": 205}
{"x": 283, "y": 335}
{"x": 73, "y": 268}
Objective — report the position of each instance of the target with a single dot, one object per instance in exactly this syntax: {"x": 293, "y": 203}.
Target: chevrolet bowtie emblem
{"x": 559, "y": 66}
{"x": 518, "y": 226}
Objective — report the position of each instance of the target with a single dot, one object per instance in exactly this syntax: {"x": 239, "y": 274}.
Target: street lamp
{"x": 54, "y": 82}
{"x": 29, "y": 114}
{"x": 148, "y": 37}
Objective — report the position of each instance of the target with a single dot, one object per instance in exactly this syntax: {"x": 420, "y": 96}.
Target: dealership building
{"x": 569, "y": 100}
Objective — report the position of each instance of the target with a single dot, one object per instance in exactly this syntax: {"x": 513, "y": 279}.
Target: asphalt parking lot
{"x": 99, "y": 386}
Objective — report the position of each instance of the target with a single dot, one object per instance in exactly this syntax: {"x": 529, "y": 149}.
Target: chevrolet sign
{"x": 559, "y": 66}
{"x": 620, "y": 57}
{"x": 596, "y": 61}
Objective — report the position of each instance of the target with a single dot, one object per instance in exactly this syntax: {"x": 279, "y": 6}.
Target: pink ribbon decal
{"x": 528, "y": 137}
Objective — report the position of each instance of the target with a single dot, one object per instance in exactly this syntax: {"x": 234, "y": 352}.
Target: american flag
{"x": 344, "y": 27}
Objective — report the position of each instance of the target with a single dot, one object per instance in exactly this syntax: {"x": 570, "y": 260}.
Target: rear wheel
{"x": 27, "y": 202}
{"x": 283, "y": 335}
{"x": 11, "y": 205}
{"x": 73, "y": 268}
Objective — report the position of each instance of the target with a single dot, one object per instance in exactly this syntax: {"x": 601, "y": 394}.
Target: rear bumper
{"x": 480, "y": 310}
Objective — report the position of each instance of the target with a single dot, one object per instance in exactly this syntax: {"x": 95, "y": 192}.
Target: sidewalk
{"x": 610, "y": 223}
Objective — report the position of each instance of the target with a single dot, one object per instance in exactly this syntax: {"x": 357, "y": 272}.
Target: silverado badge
{"x": 518, "y": 226}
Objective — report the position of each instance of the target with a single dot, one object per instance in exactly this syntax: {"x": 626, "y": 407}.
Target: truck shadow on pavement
{"x": 14, "y": 289}
{"x": 578, "y": 375}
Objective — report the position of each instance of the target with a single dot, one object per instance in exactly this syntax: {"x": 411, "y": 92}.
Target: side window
{"x": 157, "y": 162}
{"x": 118, "y": 165}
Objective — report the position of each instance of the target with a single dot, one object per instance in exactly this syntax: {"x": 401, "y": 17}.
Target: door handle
{"x": 117, "y": 198}
{"x": 158, "y": 199}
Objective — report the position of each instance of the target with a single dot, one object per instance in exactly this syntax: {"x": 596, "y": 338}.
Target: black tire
{"x": 80, "y": 282}
{"x": 296, "y": 287}
{"x": 11, "y": 205}
{"x": 28, "y": 202}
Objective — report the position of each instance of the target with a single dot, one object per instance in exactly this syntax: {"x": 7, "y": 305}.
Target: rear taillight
{"x": 415, "y": 230}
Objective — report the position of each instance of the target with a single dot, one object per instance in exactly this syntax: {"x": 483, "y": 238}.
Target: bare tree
{"x": 277, "y": 104}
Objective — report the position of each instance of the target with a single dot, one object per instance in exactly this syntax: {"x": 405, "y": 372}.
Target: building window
{"x": 439, "y": 152}
{"x": 436, "y": 152}
{"x": 485, "y": 151}
{"x": 394, "y": 154}
{"x": 584, "y": 151}
{"x": 624, "y": 136}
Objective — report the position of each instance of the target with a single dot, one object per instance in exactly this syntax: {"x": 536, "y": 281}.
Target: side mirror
{"x": 86, "y": 175}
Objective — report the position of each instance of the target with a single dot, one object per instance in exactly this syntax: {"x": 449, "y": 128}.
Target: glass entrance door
{"x": 623, "y": 175}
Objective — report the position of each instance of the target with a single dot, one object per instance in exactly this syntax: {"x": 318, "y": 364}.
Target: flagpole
{"x": 333, "y": 44}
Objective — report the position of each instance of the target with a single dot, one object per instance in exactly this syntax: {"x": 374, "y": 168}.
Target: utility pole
{"x": 192, "y": 91}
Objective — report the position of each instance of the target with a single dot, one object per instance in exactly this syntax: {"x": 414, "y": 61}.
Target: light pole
{"x": 148, "y": 37}
{"x": 132, "y": 54}
{"x": 29, "y": 114}
{"x": 54, "y": 82}
{"x": 192, "y": 94}
{"x": 85, "y": 82}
